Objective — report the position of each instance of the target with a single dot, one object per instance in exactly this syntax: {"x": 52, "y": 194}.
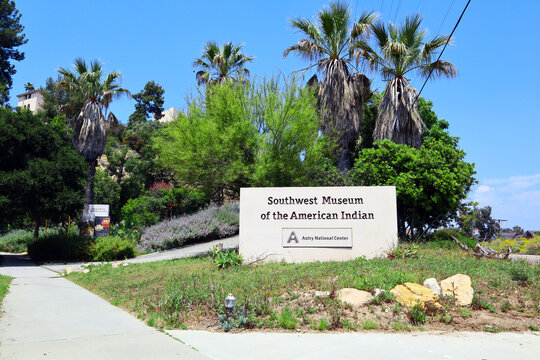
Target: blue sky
{"x": 491, "y": 105}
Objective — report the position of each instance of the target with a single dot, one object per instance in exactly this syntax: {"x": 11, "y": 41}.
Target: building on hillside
{"x": 508, "y": 235}
{"x": 529, "y": 234}
{"x": 168, "y": 115}
{"x": 31, "y": 100}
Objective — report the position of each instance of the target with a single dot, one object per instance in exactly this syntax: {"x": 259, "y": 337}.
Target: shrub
{"x": 225, "y": 259}
{"x": 142, "y": 211}
{"x": 417, "y": 315}
{"x": 16, "y": 241}
{"x": 520, "y": 245}
{"x": 287, "y": 320}
{"x": 212, "y": 223}
{"x": 444, "y": 237}
{"x": 58, "y": 245}
{"x": 110, "y": 248}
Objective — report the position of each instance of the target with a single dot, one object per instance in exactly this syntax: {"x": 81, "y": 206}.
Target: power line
{"x": 397, "y": 9}
{"x": 382, "y": 4}
{"x": 447, "y": 11}
{"x": 445, "y": 45}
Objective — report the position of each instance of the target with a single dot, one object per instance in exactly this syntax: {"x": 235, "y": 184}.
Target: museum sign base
{"x": 317, "y": 223}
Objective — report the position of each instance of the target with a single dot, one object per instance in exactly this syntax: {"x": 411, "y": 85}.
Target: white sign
{"x": 99, "y": 210}
{"x": 317, "y": 223}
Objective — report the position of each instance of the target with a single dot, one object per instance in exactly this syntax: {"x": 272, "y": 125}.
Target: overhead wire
{"x": 444, "y": 19}
{"x": 445, "y": 45}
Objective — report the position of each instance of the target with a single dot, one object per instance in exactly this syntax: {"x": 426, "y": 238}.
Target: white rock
{"x": 379, "y": 292}
{"x": 86, "y": 271}
{"x": 322, "y": 293}
{"x": 115, "y": 265}
{"x": 125, "y": 264}
{"x": 354, "y": 297}
{"x": 432, "y": 284}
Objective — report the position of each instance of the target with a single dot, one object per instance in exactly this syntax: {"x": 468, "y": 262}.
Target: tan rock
{"x": 410, "y": 294}
{"x": 458, "y": 286}
{"x": 354, "y": 297}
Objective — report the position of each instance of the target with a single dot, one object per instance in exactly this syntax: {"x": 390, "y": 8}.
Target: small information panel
{"x": 318, "y": 237}
{"x": 302, "y": 224}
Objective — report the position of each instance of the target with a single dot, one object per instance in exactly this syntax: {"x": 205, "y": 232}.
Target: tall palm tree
{"x": 402, "y": 51}
{"x": 328, "y": 44}
{"x": 98, "y": 90}
{"x": 29, "y": 86}
{"x": 221, "y": 64}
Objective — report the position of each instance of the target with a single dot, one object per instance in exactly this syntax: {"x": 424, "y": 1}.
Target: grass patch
{"x": 190, "y": 292}
{"x": 369, "y": 324}
{"x": 4, "y": 286}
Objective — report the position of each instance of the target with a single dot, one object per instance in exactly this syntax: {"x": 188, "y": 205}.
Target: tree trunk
{"x": 86, "y": 225}
{"x": 36, "y": 227}
{"x": 340, "y": 99}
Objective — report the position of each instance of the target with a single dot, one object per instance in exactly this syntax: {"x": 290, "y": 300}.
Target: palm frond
{"x": 439, "y": 69}
{"x": 363, "y": 25}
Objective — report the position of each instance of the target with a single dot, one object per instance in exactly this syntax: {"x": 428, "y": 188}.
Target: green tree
{"x": 149, "y": 102}
{"x": 402, "y": 50}
{"x": 213, "y": 145}
{"x": 12, "y": 36}
{"x": 29, "y": 86}
{"x": 220, "y": 64}
{"x": 57, "y": 101}
{"x": 431, "y": 182}
{"x": 41, "y": 175}
{"x": 107, "y": 191}
{"x": 98, "y": 90}
{"x": 329, "y": 45}
{"x": 481, "y": 219}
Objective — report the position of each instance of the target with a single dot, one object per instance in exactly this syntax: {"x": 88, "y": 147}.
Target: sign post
{"x": 102, "y": 221}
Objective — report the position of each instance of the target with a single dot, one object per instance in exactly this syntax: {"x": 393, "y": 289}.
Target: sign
{"x": 317, "y": 223}
{"x": 99, "y": 210}
{"x": 102, "y": 226}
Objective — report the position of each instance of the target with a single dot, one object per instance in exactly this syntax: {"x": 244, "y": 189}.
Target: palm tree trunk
{"x": 86, "y": 225}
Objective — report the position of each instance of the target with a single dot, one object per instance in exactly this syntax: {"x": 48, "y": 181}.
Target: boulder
{"x": 410, "y": 294}
{"x": 458, "y": 286}
{"x": 354, "y": 297}
{"x": 432, "y": 284}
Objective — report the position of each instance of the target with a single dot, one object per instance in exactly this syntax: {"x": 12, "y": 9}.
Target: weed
{"x": 383, "y": 297}
{"x": 321, "y": 325}
{"x": 465, "y": 312}
{"x": 446, "y": 317}
{"x": 397, "y": 308}
{"x": 369, "y": 324}
{"x": 312, "y": 310}
{"x": 479, "y": 303}
{"x": 417, "y": 315}
{"x": 491, "y": 329}
{"x": 404, "y": 252}
{"x": 519, "y": 275}
{"x": 506, "y": 306}
{"x": 287, "y": 320}
{"x": 533, "y": 327}
{"x": 400, "y": 326}
{"x": 226, "y": 259}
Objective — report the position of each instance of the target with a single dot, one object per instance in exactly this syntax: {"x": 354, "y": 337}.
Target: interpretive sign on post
{"x": 317, "y": 223}
{"x": 102, "y": 220}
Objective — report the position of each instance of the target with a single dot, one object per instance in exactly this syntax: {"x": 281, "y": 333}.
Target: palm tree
{"x": 29, "y": 86}
{"x": 328, "y": 45}
{"x": 221, "y": 64}
{"x": 402, "y": 50}
{"x": 89, "y": 135}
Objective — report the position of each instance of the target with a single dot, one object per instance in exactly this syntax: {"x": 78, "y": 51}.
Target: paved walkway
{"x": 48, "y": 317}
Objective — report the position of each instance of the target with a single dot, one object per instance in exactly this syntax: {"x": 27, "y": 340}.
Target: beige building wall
{"x": 32, "y": 100}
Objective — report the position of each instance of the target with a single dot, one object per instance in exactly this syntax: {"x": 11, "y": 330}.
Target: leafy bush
{"x": 110, "y": 248}
{"x": 16, "y": 241}
{"x": 58, "y": 245}
{"x": 212, "y": 223}
{"x": 520, "y": 245}
{"x": 417, "y": 315}
{"x": 444, "y": 236}
{"x": 162, "y": 203}
{"x": 287, "y": 320}
{"x": 225, "y": 259}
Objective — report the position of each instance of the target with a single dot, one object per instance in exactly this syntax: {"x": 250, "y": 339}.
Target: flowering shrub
{"x": 212, "y": 223}
{"x": 520, "y": 245}
{"x": 160, "y": 185}
{"x": 110, "y": 248}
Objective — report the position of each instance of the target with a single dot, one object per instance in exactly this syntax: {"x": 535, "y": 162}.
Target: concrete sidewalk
{"x": 48, "y": 317}
{"x": 372, "y": 345}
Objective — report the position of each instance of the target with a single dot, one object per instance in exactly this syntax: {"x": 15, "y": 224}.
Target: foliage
{"x": 401, "y": 50}
{"x": 520, "y": 245}
{"x": 445, "y": 235}
{"x": 480, "y": 218}
{"x": 417, "y": 315}
{"x": 16, "y": 241}
{"x": 287, "y": 320}
{"x": 41, "y": 175}
{"x": 404, "y": 251}
{"x": 329, "y": 45}
{"x": 148, "y": 101}
{"x": 108, "y": 248}
{"x": 227, "y": 258}
{"x": 4, "y": 286}
{"x": 181, "y": 291}
{"x": 369, "y": 324}
{"x": 58, "y": 246}
{"x": 151, "y": 208}
{"x": 107, "y": 191}
{"x": 213, "y": 146}
{"x": 11, "y": 33}
{"x": 212, "y": 223}
{"x": 431, "y": 182}
{"x": 58, "y": 102}
{"x": 221, "y": 64}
